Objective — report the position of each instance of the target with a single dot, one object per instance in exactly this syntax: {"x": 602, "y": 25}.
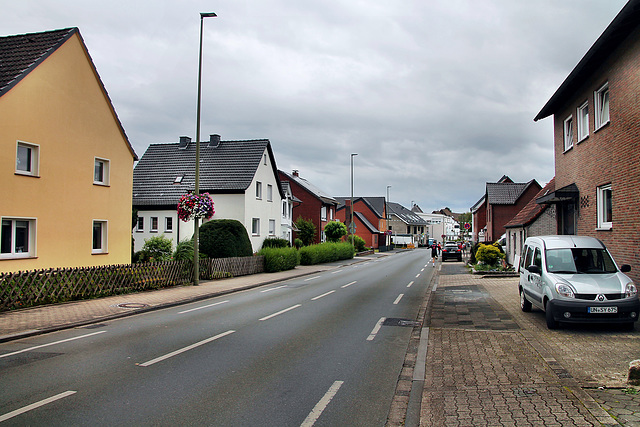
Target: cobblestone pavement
{"x": 488, "y": 363}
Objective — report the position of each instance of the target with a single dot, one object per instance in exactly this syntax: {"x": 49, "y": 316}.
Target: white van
{"x": 574, "y": 279}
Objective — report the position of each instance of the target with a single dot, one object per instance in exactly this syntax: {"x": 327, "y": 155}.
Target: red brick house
{"x": 597, "y": 141}
{"x": 369, "y": 215}
{"x": 315, "y": 204}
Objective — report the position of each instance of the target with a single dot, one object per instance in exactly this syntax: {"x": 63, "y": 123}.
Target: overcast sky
{"x": 437, "y": 97}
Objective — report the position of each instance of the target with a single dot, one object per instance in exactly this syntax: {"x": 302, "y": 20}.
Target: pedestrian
{"x": 434, "y": 254}
{"x": 439, "y": 248}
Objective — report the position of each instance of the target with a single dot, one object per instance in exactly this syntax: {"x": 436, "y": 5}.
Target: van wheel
{"x": 551, "y": 322}
{"x": 525, "y": 305}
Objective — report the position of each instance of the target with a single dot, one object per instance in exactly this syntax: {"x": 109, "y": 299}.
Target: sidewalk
{"x": 490, "y": 364}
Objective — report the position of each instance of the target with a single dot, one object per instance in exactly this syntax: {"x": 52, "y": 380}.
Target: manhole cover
{"x": 393, "y": 321}
{"x": 132, "y": 305}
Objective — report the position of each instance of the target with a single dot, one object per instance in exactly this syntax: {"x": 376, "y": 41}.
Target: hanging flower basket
{"x": 191, "y": 206}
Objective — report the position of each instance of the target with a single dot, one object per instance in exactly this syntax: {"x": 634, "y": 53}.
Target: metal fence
{"x": 36, "y": 287}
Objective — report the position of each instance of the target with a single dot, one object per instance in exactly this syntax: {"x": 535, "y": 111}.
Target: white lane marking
{"x": 426, "y": 265}
{"x": 280, "y": 312}
{"x": 376, "y": 329}
{"x": 36, "y": 405}
{"x": 323, "y": 295}
{"x": 349, "y": 284}
{"x": 182, "y": 350}
{"x": 337, "y": 271}
{"x": 398, "y": 299}
{"x": 417, "y": 275}
{"x": 273, "y": 289}
{"x": 51, "y": 343}
{"x": 410, "y": 283}
{"x": 421, "y": 270}
{"x": 322, "y": 405}
{"x": 312, "y": 278}
{"x": 204, "y": 306}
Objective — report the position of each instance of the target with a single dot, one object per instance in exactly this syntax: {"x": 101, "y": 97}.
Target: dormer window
{"x": 178, "y": 179}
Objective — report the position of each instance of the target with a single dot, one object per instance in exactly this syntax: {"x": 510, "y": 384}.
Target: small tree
{"x": 306, "y": 230}
{"x": 334, "y": 231}
{"x": 359, "y": 243}
{"x": 489, "y": 254}
{"x": 157, "y": 248}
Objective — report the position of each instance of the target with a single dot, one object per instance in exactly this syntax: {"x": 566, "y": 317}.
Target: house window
{"x": 168, "y": 224}
{"x": 101, "y": 171}
{"x": 255, "y": 226}
{"x": 154, "y": 224}
{"x": 258, "y": 190}
{"x": 583, "y": 121}
{"x": 99, "y": 237}
{"x": 27, "y": 159}
{"x": 140, "y": 225}
{"x": 272, "y": 227}
{"x": 17, "y": 238}
{"x": 269, "y": 192}
{"x": 568, "y": 133}
{"x": 265, "y": 159}
{"x": 331, "y": 214}
{"x": 605, "y": 205}
{"x": 323, "y": 213}
{"x": 284, "y": 209}
{"x": 601, "y": 106}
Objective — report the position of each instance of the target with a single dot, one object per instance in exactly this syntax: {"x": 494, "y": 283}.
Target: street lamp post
{"x": 386, "y": 209}
{"x": 351, "y": 226}
{"x": 196, "y": 232}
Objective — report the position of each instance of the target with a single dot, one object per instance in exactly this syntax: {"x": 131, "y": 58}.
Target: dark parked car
{"x": 451, "y": 250}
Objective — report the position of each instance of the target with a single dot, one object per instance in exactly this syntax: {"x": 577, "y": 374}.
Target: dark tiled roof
{"x": 20, "y": 54}
{"x": 228, "y": 168}
{"x": 532, "y": 210}
{"x": 376, "y": 204}
{"x": 366, "y": 222}
{"x": 506, "y": 193}
{"x": 405, "y": 214}
{"x": 312, "y": 189}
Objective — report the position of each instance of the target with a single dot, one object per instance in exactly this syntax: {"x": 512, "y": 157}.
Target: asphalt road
{"x": 323, "y": 350}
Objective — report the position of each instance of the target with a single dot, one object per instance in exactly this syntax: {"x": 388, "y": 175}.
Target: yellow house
{"x": 66, "y": 164}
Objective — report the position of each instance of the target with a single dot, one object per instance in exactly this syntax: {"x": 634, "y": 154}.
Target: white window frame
{"x": 168, "y": 224}
{"x": 272, "y": 227}
{"x": 153, "y": 224}
{"x": 604, "y": 204}
{"x": 258, "y": 190}
{"x": 601, "y": 101}
{"x": 104, "y": 180}
{"x": 255, "y": 226}
{"x": 567, "y": 132}
{"x": 34, "y": 159}
{"x": 104, "y": 233}
{"x": 31, "y": 239}
{"x": 323, "y": 213}
{"x": 583, "y": 121}
{"x": 140, "y": 224}
{"x": 269, "y": 193}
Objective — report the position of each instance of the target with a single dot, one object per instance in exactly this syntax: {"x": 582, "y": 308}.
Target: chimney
{"x": 184, "y": 142}
{"x": 214, "y": 140}
{"x": 295, "y": 172}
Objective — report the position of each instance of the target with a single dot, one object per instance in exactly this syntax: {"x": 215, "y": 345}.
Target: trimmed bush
{"x": 224, "y": 238}
{"x": 280, "y": 259}
{"x": 275, "y": 242}
{"x": 298, "y": 243}
{"x": 156, "y": 249}
{"x": 325, "y": 252}
{"x": 489, "y": 254}
{"x": 359, "y": 243}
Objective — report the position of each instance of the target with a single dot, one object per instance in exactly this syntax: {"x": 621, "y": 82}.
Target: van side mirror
{"x": 625, "y": 268}
{"x": 534, "y": 269}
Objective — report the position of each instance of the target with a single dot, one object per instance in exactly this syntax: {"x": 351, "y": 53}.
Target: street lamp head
{"x": 354, "y": 154}
{"x": 207, "y": 15}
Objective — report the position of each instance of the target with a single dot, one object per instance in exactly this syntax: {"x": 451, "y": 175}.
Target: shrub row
{"x": 279, "y": 259}
{"x": 325, "y": 252}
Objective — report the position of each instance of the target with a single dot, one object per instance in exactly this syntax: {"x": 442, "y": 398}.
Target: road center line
{"x": 204, "y": 306}
{"x": 51, "y": 343}
{"x": 421, "y": 270}
{"x": 187, "y": 348}
{"x": 376, "y": 329}
{"x": 280, "y": 312}
{"x": 273, "y": 289}
{"x": 349, "y": 284}
{"x": 323, "y": 295}
{"x": 312, "y": 278}
{"x": 337, "y": 271}
{"x": 417, "y": 275}
{"x": 36, "y": 405}
{"x": 322, "y": 404}
{"x": 398, "y": 299}
{"x": 410, "y": 283}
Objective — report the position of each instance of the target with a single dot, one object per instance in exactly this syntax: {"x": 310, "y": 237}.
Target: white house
{"x": 240, "y": 176}
{"x": 286, "y": 224}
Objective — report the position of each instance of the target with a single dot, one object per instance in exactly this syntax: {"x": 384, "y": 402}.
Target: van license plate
{"x": 602, "y": 309}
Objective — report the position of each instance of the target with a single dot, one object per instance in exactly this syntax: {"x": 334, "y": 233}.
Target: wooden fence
{"x": 36, "y": 287}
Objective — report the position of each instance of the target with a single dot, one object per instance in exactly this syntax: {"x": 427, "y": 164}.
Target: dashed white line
{"x": 280, "y": 312}
{"x": 337, "y": 271}
{"x": 36, "y": 405}
{"x": 204, "y": 306}
{"x": 322, "y": 405}
{"x": 410, "y": 283}
{"x": 182, "y": 350}
{"x": 312, "y": 278}
{"x": 323, "y": 295}
{"x": 398, "y": 299}
{"x": 417, "y": 275}
{"x": 51, "y": 343}
{"x": 376, "y": 329}
{"x": 273, "y": 289}
{"x": 421, "y": 270}
{"x": 349, "y": 284}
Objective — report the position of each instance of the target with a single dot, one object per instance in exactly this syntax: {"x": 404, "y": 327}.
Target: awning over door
{"x": 564, "y": 194}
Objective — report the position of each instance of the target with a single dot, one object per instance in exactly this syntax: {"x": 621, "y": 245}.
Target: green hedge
{"x": 279, "y": 259}
{"x": 325, "y": 252}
